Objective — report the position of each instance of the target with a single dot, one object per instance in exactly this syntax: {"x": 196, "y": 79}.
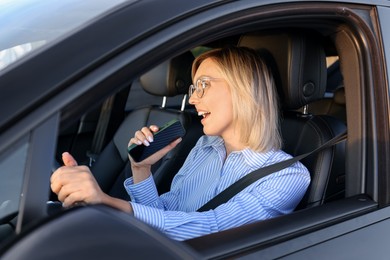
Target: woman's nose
{"x": 193, "y": 99}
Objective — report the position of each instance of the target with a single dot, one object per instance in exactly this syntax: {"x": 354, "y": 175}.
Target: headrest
{"x": 298, "y": 62}
{"x": 171, "y": 78}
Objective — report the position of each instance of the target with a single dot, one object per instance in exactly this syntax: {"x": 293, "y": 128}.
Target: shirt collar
{"x": 252, "y": 159}
{"x": 255, "y": 159}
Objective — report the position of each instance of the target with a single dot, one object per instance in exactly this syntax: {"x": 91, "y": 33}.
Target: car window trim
{"x": 38, "y": 171}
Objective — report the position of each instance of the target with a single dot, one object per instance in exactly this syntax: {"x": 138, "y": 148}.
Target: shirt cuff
{"x": 144, "y": 192}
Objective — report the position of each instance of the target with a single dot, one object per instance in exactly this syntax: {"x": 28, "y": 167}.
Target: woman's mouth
{"x": 203, "y": 114}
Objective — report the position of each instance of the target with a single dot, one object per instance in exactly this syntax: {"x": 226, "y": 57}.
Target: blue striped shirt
{"x": 206, "y": 173}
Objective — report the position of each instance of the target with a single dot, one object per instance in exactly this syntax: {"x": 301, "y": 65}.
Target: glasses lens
{"x": 191, "y": 90}
{"x": 200, "y": 86}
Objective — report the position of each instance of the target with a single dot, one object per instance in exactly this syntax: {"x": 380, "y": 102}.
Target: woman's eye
{"x": 205, "y": 83}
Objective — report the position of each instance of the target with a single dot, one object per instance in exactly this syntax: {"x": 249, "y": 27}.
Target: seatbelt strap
{"x": 101, "y": 129}
{"x": 250, "y": 178}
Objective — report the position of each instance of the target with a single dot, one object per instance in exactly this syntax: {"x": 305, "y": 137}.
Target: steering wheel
{"x": 95, "y": 232}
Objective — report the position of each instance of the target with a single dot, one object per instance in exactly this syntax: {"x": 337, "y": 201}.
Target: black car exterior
{"x": 51, "y": 88}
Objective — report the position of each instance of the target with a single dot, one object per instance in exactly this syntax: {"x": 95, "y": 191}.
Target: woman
{"x": 234, "y": 93}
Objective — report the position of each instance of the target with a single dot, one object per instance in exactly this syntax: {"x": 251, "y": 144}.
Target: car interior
{"x": 313, "y": 112}
{"x": 301, "y": 80}
{"x": 312, "y": 106}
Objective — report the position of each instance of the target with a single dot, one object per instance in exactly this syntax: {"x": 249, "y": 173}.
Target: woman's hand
{"x": 141, "y": 170}
{"x": 75, "y": 184}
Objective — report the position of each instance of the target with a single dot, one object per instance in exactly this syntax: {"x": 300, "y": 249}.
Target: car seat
{"x": 298, "y": 62}
{"x": 170, "y": 78}
{"x": 334, "y": 105}
{"x": 333, "y": 102}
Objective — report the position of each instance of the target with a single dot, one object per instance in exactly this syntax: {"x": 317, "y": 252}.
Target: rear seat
{"x": 168, "y": 79}
{"x": 333, "y": 106}
{"x": 333, "y": 102}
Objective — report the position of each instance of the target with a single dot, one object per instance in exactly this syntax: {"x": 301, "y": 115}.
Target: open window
{"x": 350, "y": 189}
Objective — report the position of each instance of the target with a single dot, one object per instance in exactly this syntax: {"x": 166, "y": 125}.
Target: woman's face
{"x": 215, "y": 106}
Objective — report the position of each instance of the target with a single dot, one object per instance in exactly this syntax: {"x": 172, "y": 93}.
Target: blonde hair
{"x": 254, "y": 97}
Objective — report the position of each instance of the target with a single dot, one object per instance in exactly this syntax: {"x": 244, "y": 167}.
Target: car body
{"x": 70, "y": 68}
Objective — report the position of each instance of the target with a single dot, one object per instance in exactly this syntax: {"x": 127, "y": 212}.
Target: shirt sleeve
{"x": 145, "y": 192}
{"x": 271, "y": 196}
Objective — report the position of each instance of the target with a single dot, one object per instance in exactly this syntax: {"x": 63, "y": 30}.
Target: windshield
{"x": 27, "y": 25}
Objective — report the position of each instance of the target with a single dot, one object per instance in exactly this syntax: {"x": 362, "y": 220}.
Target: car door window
{"x": 12, "y": 167}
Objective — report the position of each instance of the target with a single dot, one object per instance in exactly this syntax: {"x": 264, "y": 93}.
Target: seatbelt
{"x": 250, "y": 178}
{"x": 101, "y": 129}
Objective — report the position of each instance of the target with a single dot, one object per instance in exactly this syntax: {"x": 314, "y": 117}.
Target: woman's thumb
{"x": 68, "y": 159}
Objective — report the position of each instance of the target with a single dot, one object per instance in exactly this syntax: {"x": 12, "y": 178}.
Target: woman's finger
{"x": 72, "y": 199}
{"x": 148, "y": 134}
{"x": 153, "y": 128}
{"x": 68, "y": 159}
{"x": 139, "y": 135}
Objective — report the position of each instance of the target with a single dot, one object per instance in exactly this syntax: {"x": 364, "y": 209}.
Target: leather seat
{"x": 169, "y": 79}
{"x": 298, "y": 62}
{"x": 334, "y": 106}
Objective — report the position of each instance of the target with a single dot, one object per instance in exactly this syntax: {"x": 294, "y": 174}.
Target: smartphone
{"x": 166, "y": 134}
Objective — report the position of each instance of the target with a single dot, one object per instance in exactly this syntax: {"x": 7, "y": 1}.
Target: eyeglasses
{"x": 200, "y": 85}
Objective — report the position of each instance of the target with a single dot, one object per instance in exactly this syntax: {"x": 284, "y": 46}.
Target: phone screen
{"x": 167, "y": 133}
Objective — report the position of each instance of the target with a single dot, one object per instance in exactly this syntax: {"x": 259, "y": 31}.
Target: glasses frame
{"x": 200, "y": 89}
